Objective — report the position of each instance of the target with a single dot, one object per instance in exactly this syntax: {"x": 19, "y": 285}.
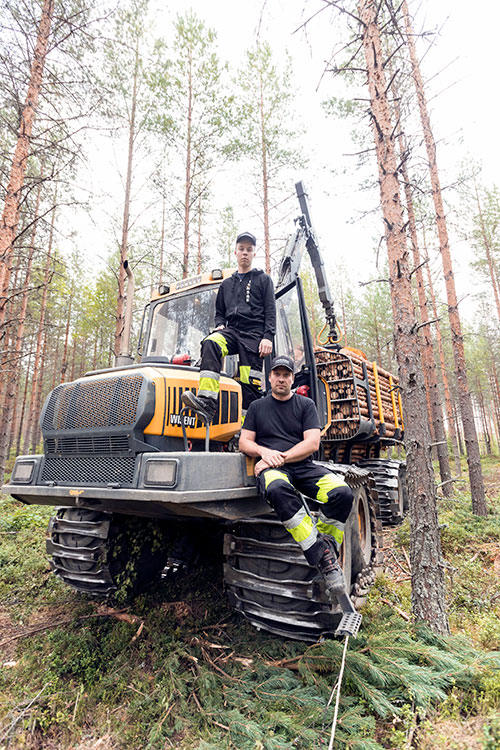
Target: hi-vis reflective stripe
{"x": 256, "y": 375}
{"x": 302, "y": 529}
{"x": 272, "y": 475}
{"x": 327, "y": 483}
{"x": 332, "y": 528}
{"x": 244, "y": 373}
{"x": 218, "y": 338}
{"x": 209, "y": 383}
{"x": 208, "y": 387}
{"x": 210, "y": 374}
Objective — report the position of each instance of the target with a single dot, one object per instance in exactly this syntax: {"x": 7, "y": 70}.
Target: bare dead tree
{"x": 428, "y": 589}
{"x": 470, "y": 434}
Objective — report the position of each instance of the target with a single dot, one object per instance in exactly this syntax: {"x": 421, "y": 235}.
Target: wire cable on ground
{"x": 337, "y": 687}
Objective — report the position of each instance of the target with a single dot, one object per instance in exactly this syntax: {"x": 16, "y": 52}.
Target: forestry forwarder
{"x": 135, "y": 479}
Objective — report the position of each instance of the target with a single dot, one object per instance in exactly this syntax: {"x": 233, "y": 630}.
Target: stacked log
{"x": 350, "y": 390}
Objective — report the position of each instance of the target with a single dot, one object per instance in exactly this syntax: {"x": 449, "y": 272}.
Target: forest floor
{"x": 178, "y": 669}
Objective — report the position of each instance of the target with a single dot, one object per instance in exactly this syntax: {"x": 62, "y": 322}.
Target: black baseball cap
{"x": 282, "y": 361}
{"x": 246, "y": 236}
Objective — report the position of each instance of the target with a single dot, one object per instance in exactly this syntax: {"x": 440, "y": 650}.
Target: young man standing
{"x": 283, "y": 431}
{"x": 245, "y": 321}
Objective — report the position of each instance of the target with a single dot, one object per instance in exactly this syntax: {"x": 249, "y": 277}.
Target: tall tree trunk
{"x": 470, "y": 434}
{"x": 64, "y": 360}
{"x": 187, "y": 191}
{"x": 198, "y": 263}
{"x": 23, "y": 407}
{"x": 484, "y": 419}
{"x": 7, "y": 424}
{"x": 120, "y": 302}
{"x": 428, "y": 589}
{"x": 37, "y": 369}
{"x": 265, "y": 182}
{"x": 489, "y": 257}
{"x": 35, "y": 437}
{"x": 10, "y": 215}
{"x": 444, "y": 375}
{"x": 162, "y": 240}
{"x": 428, "y": 360}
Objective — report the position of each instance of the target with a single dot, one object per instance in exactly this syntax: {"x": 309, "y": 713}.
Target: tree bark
{"x": 470, "y": 434}
{"x": 428, "y": 590}
{"x": 428, "y": 360}
{"x": 10, "y": 215}
{"x": 444, "y": 375}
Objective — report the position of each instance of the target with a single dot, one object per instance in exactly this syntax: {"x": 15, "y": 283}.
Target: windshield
{"x": 180, "y": 323}
{"x": 289, "y": 337}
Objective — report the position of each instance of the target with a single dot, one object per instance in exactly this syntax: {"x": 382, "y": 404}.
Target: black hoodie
{"x": 247, "y": 304}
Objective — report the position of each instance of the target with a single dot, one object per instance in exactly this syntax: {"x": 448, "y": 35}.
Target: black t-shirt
{"x": 281, "y": 424}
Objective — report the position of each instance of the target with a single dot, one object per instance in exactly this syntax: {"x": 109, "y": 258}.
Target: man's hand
{"x": 272, "y": 458}
{"x": 259, "y": 466}
{"x": 265, "y": 347}
{"x": 219, "y": 328}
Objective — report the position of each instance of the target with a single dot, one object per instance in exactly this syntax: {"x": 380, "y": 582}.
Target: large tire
{"x": 390, "y": 482}
{"x": 269, "y": 581}
{"x": 105, "y": 554}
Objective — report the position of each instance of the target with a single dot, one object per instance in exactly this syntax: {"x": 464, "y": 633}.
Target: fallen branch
{"x": 396, "y": 609}
{"x": 67, "y": 621}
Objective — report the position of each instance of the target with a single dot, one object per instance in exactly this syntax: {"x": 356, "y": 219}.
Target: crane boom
{"x": 305, "y": 237}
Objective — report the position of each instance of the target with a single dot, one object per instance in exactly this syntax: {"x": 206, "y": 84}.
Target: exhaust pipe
{"x": 124, "y": 357}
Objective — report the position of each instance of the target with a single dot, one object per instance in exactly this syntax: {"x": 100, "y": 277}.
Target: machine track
{"x": 269, "y": 581}
{"x": 390, "y": 483}
{"x": 96, "y": 553}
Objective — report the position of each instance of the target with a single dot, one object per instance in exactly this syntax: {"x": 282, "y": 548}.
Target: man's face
{"x": 244, "y": 254}
{"x": 281, "y": 380}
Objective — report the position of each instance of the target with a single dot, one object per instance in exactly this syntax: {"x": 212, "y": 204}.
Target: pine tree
{"x": 266, "y": 135}
{"x": 428, "y": 590}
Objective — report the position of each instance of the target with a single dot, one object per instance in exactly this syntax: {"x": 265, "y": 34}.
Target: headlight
{"x": 23, "y": 472}
{"x": 161, "y": 472}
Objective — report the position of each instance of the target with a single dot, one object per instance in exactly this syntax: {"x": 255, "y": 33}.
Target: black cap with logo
{"x": 282, "y": 361}
{"x": 246, "y": 236}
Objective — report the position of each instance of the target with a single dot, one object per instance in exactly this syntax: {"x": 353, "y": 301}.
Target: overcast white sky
{"x": 460, "y": 69}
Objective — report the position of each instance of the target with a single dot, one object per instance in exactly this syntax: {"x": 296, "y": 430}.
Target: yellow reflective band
{"x": 303, "y": 530}
{"x": 209, "y": 384}
{"x": 328, "y": 528}
{"x": 244, "y": 373}
{"x": 219, "y": 339}
{"x": 327, "y": 483}
{"x": 272, "y": 475}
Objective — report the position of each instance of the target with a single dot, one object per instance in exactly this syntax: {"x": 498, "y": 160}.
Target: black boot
{"x": 332, "y": 573}
{"x": 206, "y": 407}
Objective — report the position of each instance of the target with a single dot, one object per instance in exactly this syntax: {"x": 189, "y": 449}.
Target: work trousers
{"x": 230, "y": 341}
{"x": 333, "y": 496}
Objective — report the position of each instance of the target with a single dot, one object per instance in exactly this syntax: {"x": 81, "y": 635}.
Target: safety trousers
{"x": 218, "y": 345}
{"x": 279, "y": 487}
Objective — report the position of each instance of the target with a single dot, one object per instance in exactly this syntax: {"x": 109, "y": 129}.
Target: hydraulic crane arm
{"x": 305, "y": 236}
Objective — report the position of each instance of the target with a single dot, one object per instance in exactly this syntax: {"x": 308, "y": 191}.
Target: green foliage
{"x": 183, "y": 670}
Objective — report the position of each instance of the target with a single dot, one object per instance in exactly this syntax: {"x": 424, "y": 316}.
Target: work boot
{"x": 332, "y": 573}
{"x": 202, "y": 405}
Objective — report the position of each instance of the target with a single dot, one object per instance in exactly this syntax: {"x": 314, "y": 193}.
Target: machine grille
{"x": 89, "y": 444}
{"x": 103, "y": 402}
{"x": 91, "y": 470}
